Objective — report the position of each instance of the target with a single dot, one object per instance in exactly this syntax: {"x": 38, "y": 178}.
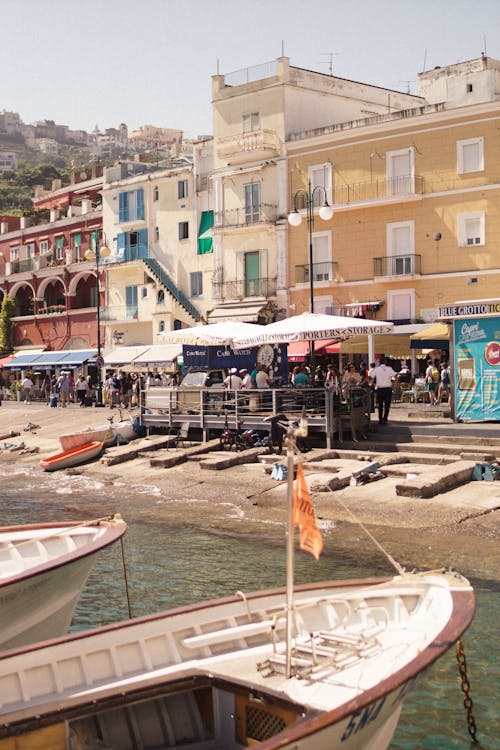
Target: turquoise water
{"x": 169, "y": 565}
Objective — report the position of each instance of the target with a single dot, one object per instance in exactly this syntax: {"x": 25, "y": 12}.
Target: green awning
{"x": 205, "y": 244}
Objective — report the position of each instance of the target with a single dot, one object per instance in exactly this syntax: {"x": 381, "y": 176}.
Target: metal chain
{"x": 462, "y": 668}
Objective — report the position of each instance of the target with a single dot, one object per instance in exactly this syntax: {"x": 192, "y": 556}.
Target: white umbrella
{"x": 213, "y": 334}
{"x": 311, "y": 327}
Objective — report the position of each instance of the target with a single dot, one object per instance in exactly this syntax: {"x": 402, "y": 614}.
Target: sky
{"x": 103, "y": 62}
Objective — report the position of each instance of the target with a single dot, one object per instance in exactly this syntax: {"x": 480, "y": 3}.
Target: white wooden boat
{"x": 43, "y": 568}
{"x": 103, "y": 434}
{"x": 213, "y": 676}
{"x": 72, "y": 457}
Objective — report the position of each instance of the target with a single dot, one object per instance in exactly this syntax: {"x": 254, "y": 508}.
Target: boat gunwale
{"x": 93, "y": 448}
{"x": 114, "y": 528}
{"x": 463, "y": 609}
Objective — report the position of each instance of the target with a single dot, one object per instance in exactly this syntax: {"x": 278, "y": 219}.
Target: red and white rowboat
{"x": 72, "y": 457}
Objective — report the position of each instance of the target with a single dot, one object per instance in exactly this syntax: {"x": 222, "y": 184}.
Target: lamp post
{"x": 295, "y": 219}
{"x": 96, "y": 254}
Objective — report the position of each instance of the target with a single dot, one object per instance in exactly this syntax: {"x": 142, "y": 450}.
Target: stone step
{"x": 429, "y": 459}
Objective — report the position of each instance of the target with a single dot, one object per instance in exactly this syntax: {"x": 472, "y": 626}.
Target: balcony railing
{"x": 133, "y": 252}
{"x": 239, "y": 289}
{"x": 264, "y": 213}
{"x": 397, "y": 265}
{"x": 51, "y": 310}
{"x": 120, "y": 312}
{"x": 320, "y": 272}
{"x": 378, "y": 189}
{"x": 257, "y": 143}
{"x": 21, "y": 266}
{"x": 253, "y": 73}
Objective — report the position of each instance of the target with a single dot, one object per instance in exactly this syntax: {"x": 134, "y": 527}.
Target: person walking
{"x": 47, "y": 388}
{"x": 382, "y": 377}
{"x": 432, "y": 378}
{"x": 27, "y": 384}
{"x": 63, "y": 389}
{"x": 82, "y": 388}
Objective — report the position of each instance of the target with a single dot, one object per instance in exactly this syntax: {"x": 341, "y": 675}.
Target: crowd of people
{"x": 122, "y": 389}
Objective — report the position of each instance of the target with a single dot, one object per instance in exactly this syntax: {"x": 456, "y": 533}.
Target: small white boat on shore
{"x": 103, "y": 434}
{"x": 43, "y": 569}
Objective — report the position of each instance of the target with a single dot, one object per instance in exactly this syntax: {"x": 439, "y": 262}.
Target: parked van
{"x": 189, "y": 401}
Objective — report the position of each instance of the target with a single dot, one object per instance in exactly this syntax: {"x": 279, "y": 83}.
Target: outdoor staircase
{"x": 436, "y": 441}
{"x": 162, "y": 276}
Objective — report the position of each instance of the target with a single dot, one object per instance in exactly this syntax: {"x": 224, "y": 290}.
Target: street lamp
{"x": 96, "y": 254}
{"x": 295, "y": 219}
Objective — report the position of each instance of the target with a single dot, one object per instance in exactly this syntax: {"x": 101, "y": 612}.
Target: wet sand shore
{"x": 459, "y": 528}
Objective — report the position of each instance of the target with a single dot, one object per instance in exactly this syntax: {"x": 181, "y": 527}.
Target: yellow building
{"x": 254, "y": 111}
{"x": 416, "y": 198}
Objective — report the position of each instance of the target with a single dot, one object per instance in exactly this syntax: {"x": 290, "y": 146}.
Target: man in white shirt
{"x": 382, "y": 377}
{"x": 233, "y": 381}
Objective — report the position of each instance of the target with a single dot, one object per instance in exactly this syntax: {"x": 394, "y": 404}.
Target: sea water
{"x": 172, "y": 564}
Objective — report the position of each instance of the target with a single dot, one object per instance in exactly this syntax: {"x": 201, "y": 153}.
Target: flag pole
{"x": 289, "y": 549}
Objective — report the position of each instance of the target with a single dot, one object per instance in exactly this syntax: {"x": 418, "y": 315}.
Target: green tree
{"x": 6, "y": 327}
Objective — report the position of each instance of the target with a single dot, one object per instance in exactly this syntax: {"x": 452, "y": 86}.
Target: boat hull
{"x": 215, "y": 673}
{"x": 72, "y": 457}
{"x": 102, "y": 434}
{"x": 43, "y": 570}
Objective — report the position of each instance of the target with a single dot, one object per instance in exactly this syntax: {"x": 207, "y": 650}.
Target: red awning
{"x": 6, "y": 360}
{"x": 327, "y": 346}
{"x": 298, "y": 351}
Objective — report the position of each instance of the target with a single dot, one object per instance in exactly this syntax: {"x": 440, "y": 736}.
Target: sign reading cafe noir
{"x": 476, "y": 337}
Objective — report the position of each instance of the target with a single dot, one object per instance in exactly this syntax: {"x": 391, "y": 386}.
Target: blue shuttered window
{"x": 132, "y": 245}
{"x": 131, "y": 205}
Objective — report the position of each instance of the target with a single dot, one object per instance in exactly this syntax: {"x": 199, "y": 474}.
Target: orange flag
{"x": 303, "y": 517}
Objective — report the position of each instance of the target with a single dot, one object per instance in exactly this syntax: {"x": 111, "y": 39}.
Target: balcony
{"x": 243, "y": 147}
{"x": 376, "y": 190}
{"x": 132, "y": 252}
{"x": 397, "y": 265}
{"x": 52, "y": 310}
{"x": 240, "y": 289}
{"x": 119, "y": 312}
{"x": 320, "y": 272}
{"x": 264, "y": 213}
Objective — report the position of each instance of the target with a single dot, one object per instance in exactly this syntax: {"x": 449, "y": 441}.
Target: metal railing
{"x": 239, "y": 289}
{"x": 253, "y": 73}
{"x": 397, "y": 265}
{"x": 51, "y": 310}
{"x": 132, "y": 252}
{"x": 120, "y": 312}
{"x": 320, "y": 272}
{"x": 238, "y": 217}
{"x": 21, "y": 266}
{"x": 378, "y": 189}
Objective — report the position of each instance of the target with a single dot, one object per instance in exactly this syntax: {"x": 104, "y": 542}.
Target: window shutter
{"x": 121, "y": 242}
{"x": 142, "y": 239}
{"x": 122, "y": 207}
{"x": 140, "y": 204}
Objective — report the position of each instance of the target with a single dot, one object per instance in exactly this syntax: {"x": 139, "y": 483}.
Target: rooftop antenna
{"x": 407, "y": 86}
{"x": 330, "y": 63}
{"x": 484, "y": 45}
{"x": 425, "y": 58}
